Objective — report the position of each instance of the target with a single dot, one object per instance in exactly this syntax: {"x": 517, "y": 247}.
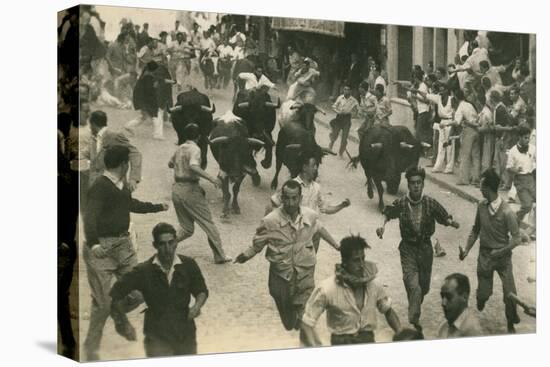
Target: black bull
{"x": 385, "y": 152}
{"x": 232, "y": 148}
{"x": 193, "y": 107}
{"x": 295, "y": 138}
{"x": 258, "y": 111}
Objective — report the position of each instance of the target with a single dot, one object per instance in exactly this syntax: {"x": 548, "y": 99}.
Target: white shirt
{"x": 445, "y": 112}
{"x": 99, "y": 138}
{"x": 311, "y": 196}
{"x": 422, "y": 107}
{"x": 522, "y": 163}
{"x": 253, "y": 82}
{"x": 226, "y": 51}
{"x": 495, "y": 205}
{"x": 465, "y": 112}
{"x": 380, "y": 80}
{"x": 208, "y": 44}
{"x": 170, "y": 273}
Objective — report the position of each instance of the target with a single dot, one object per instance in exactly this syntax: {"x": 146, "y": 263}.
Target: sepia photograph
{"x": 235, "y": 183}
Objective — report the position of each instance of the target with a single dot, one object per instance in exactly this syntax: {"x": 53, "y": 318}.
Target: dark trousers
{"x": 527, "y": 194}
{"x": 424, "y": 131}
{"x": 361, "y": 337}
{"x": 340, "y": 123}
{"x": 67, "y": 216}
{"x": 65, "y": 269}
{"x": 156, "y": 346}
{"x": 416, "y": 264}
{"x": 486, "y": 266}
{"x": 290, "y": 296}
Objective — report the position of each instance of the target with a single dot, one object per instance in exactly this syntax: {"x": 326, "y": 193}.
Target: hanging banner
{"x": 326, "y": 27}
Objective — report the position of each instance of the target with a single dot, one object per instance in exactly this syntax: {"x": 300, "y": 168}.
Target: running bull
{"x": 385, "y": 152}
{"x": 193, "y": 107}
{"x": 295, "y": 137}
{"x": 232, "y": 147}
{"x": 258, "y": 111}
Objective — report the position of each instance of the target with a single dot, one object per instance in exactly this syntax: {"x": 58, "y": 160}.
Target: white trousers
{"x": 445, "y": 155}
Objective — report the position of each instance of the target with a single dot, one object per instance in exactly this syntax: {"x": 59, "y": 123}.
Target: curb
{"x": 431, "y": 177}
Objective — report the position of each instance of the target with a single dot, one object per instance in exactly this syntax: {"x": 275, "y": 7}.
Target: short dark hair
{"x": 350, "y": 244}
{"x": 191, "y": 132}
{"x": 486, "y": 82}
{"x": 418, "y": 74}
{"x": 415, "y": 171}
{"x": 462, "y": 283}
{"x": 379, "y": 88}
{"x": 484, "y": 64}
{"x": 364, "y": 84}
{"x": 524, "y": 129}
{"x": 115, "y": 156}
{"x": 293, "y": 185}
{"x": 305, "y": 157}
{"x": 491, "y": 179}
{"x": 98, "y": 118}
{"x": 162, "y": 228}
{"x": 408, "y": 334}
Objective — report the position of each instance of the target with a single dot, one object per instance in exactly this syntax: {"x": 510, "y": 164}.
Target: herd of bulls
{"x": 236, "y": 136}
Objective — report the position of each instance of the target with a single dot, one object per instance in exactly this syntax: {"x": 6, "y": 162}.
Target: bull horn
{"x": 376, "y": 145}
{"x": 425, "y": 145}
{"x": 255, "y": 141}
{"x": 243, "y": 105}
{"x": 207, "y": 109}
{"x": 293, "y": 146}
{"x": 218, "y": 140}
{"x": 405, "y": 145}
{"x": 271, "y": 104}
{"x": 295, "y": 106}
{"x": 270, "y": 141}
{"x": 327, "y": 151}
{"x": 174, "y": 109}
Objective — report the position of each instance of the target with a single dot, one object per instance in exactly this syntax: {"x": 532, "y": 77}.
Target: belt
{"x": 187, "y": 180}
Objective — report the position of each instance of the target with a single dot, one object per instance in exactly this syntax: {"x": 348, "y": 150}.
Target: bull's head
{"x": 235, "y": 156}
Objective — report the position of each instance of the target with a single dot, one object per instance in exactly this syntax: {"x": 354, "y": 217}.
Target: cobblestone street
{"x": 240, "y": 314}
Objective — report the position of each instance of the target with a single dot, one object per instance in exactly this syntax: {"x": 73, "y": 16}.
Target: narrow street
{"x": 240, "y": 314}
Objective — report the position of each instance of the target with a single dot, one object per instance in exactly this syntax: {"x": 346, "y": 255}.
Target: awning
{"x": 326, "y": 27}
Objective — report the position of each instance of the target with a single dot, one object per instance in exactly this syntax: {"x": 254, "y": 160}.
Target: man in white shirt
{"x": 344, "y": 106}
{"x": 351, "y": 298}
{"x": 367, "y": 107}
{"x": 460, "y": 319}
{"x": 311, "y": 191}
{"x": 470, "y": 154}
{"x": 256, "y": 79}
{"x": 522, "y": 164}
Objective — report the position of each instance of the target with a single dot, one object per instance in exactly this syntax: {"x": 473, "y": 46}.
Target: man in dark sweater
{"x": 167, "y": 281}
{"x": 495, "y": 223}
{"x": 417, "y": 214}
{"x": 108, "y": 251}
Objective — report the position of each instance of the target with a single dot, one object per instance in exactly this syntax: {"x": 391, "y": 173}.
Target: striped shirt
{"x": 432, "y": 212}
